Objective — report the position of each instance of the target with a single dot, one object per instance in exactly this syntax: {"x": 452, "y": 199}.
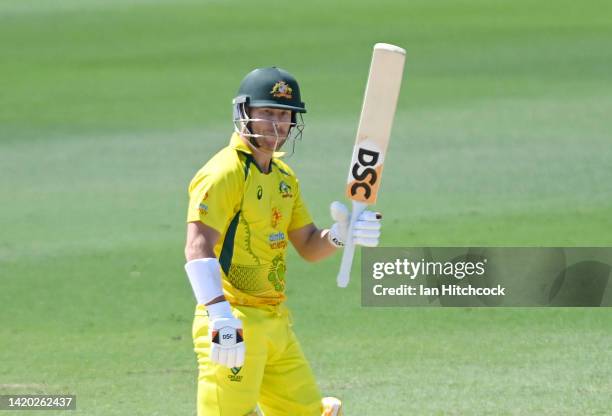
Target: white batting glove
{"x": 366, "y": 230}
{"x": 225, "y": 331}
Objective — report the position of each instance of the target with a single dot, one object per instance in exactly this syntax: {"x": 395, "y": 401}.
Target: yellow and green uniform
{"x": 253, "y": 212}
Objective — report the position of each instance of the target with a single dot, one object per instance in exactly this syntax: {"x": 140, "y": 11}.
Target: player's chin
{"x": 270, "y": 142}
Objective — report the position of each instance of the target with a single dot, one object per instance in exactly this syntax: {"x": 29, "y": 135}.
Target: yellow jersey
{"x": 253, "y": 212}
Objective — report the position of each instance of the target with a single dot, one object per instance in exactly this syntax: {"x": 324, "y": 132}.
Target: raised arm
{"x": 311, "y": 243}
{"x": 315, "y": 244}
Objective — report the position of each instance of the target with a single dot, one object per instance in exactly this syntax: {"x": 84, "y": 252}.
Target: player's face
{"x": 273, "y": 123}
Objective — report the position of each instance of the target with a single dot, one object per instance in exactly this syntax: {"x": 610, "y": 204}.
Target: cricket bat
{"x": 377, "y": 112}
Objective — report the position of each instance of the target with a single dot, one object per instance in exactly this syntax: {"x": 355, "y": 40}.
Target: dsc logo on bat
{"x": 365, "y": 174}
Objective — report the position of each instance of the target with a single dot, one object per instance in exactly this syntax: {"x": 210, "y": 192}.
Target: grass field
{"x": 502, "y": 137}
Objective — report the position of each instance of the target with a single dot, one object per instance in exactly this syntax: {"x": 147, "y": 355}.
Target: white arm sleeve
{"x": 205, "y": 278}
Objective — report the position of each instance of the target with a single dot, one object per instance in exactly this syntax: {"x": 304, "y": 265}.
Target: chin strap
{"x": 255, "y": 148}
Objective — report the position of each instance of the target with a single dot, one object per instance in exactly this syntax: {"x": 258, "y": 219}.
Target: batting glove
{"x": 366, "y": 230}
{"x": 225, "y": 331}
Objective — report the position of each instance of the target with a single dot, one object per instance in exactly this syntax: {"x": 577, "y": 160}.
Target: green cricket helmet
{"x": 273, "y": 88}
{"x": 270, "y": 87}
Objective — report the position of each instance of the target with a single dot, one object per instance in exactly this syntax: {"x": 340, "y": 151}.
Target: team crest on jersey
{"x": 276, "y": 275}
{"x": 234, "y": 376}
{"x": 282, "y": 89}
{"x": 277, "y": 240}
{"x": 285, "y": 189}
{"x": 277, "y": 216}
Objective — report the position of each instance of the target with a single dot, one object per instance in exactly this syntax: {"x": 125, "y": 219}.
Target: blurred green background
{"x": 107, "y": 109}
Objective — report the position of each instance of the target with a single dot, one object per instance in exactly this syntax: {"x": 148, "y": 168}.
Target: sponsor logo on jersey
{"x": 284, "y": 189}
{"x": 282, "y": 90}
{"x": 277, "y": 240}
{"x": 259, "y": 192}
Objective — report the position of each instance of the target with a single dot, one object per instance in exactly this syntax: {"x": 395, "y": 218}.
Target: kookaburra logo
{"x": 363, "y": 171}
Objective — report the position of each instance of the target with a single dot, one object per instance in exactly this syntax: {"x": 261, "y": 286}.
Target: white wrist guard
{"x": 205, "y": 278}
{"x": 219, "y": 310}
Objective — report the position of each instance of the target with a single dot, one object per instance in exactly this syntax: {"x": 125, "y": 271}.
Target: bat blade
{"x": 373, "y": 133}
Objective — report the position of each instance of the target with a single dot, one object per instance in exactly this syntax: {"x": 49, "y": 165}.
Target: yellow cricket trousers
{"x": 275, "y": 374}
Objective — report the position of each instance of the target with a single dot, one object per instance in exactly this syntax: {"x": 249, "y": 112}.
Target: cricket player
{"x": 245, "y": 205}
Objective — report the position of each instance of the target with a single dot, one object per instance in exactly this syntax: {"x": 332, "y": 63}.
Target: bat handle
{"x": 344, "y": 275}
